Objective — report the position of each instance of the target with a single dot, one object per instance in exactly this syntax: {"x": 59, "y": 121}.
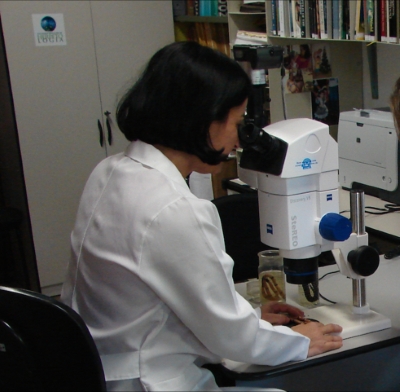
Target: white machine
{"x": 369, "y": 153}
{"x": 296, "y": 164}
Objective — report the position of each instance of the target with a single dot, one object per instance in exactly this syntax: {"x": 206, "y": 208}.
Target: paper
{"x": 201, "y": 185}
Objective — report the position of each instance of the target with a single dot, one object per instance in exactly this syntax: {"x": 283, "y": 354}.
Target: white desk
{"x": 368, "y": 362}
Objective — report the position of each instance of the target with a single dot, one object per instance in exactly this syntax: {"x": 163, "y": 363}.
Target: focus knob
{"x": 335, "y": 227}
{"x": 364, "y": 260}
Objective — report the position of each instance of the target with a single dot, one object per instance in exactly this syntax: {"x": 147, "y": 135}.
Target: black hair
{"x": 183, "y": 89}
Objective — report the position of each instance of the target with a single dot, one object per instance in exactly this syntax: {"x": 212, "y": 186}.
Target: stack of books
{"x": 200, "y": 7}
{"x": 369, "y": 20}
{"x": 214, "y": 35}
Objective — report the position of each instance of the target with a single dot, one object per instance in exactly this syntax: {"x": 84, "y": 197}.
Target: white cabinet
{"x": 60, "y": 94}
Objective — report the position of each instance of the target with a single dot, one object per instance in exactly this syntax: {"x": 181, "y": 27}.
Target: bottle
{"x": 271, "y": 276}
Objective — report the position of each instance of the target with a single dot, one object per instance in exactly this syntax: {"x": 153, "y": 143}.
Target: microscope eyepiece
{"x": 261, "y": 151}
{"x": 251, "y": 136}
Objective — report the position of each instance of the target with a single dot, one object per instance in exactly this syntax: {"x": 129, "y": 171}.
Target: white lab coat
{"x": 150, "y": 277}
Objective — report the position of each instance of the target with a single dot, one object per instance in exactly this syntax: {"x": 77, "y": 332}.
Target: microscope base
{"x": 353, "y": 324}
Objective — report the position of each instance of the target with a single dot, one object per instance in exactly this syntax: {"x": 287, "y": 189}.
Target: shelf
{"x": 294, "y": 41}
{"x": 316, "y": 40}
{"x": 247, "y": 13}
{"x": 201, "y": 19}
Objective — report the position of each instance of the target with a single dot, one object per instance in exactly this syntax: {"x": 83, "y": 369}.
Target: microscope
{"x": 296, "y": 163}
{"x": 294, "y": 166}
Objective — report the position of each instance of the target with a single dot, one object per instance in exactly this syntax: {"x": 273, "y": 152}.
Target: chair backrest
{"x": 241, "y": 226}
{"x": 45, "y": 346}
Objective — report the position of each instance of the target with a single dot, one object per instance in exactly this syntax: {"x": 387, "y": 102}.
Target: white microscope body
{"x": 299, "y": 212}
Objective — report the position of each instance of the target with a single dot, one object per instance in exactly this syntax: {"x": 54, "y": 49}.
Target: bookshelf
{"x": 349, "y": 57}
{"x": 348, "y": 60}
{"x": 209, "y": 30}
{"x": 342, "y": 20}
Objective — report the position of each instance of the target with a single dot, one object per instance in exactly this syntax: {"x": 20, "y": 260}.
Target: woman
{"x": 148, "y": 272}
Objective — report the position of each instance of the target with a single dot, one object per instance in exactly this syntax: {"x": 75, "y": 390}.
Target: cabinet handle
{"x": 101, "y": 136}
{"x": 108, "y": 124}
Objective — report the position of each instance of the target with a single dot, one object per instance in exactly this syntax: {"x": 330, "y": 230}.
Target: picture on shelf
{"x": 298, "y": 69}
{"x": 321, "y": 61}
{"x": 325, "y": 100}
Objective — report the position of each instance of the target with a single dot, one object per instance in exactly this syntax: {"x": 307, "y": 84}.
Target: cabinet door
{"x": 56, "y": 100}
{"x": 127, "y": 34}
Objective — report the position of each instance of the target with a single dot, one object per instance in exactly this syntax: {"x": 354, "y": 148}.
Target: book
{"x": 370, "y": 20}
{"x": 222, "y": 7}
{"x": 274, "y": 25}
{"x": 323, "y": 23}
{"x": 284, "y": 29}
{"x": 296, "y": 18}
{"x": 304, "y": 19}
{"x": 345, "y": 26}
{"x": 205, "y": 7}
{"x": 277, "y": 17}
{"x": 222, "y": 38}
{"x": 391, "y": 21}
{"x": 313, "y": 17}
{"x": 366, "y": 26}
{"x": 196, "y": 7}
{"x": 290, "y": 18}
{"x": 185, "y": 32}
{"x": 181, "y": 31}
{"x": 179, "y": 7}
{"x": 335, "y": 19}
{"x": 340, "y": 6}
{"x": 209, "y": 36}
{"x": 200, "y": 34}
{"x": 190, "y": 7}
{"x": 382, "y": 20}
{"x": 317, "y": 13}
{"x": 328, "y": 18}
{"x": 219, "y": 43}
{"x": 359, "y": 18}
{"x": 213, "y": 7}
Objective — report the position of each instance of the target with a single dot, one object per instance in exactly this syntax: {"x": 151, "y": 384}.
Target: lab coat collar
{"x": 152, "y": 157}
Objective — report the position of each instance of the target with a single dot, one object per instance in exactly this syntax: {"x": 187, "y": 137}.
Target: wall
{"x": 56, "y": 98}
{"x": 388, "y": 72}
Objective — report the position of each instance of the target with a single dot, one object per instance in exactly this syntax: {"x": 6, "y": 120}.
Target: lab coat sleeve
{"x": 184, "y": 262}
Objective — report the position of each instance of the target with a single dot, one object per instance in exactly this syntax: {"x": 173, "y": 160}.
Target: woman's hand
{"x": 278, "y": 313}
{"x": 320, "y": 337}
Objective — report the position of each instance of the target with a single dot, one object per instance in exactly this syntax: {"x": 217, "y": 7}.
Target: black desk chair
{"x": 241, "y": 227}
{"x": 13, "y": 269}
{"x": 45, "y": 346}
